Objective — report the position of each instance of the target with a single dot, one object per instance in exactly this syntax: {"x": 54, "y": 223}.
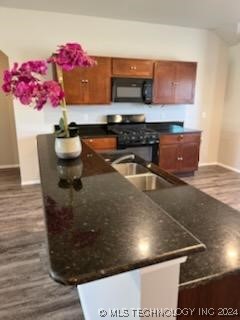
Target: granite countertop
{"x": 211, "y": 221}
{"x": 98, "y": 224}
{"x": 171, "y": 128}
{"x": 100, "y": 130}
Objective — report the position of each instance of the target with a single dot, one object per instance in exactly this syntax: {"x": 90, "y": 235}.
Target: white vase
{"x": 68, "y": 148}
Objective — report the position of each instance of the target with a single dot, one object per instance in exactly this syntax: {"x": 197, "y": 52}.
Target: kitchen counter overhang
{"x": 99, "y": 224}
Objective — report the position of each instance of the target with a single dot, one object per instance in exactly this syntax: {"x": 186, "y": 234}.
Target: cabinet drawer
{"x": 179, "y": 138}
{"x": 132, "y": 68}
{"x": 101, "y": 143}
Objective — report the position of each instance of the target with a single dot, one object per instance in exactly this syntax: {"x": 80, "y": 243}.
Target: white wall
{"x": 229, "y": 149}
{"x": 33, "y": 35}
{"x": 8, "y": 139}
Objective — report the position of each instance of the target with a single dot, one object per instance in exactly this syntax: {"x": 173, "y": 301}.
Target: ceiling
{"x": 221, "y": 16}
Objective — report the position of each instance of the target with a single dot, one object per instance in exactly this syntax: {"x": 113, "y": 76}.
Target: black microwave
{"x": 132, "y": 90}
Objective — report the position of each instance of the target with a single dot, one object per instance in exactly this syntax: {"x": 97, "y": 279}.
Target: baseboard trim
{"x": 9, "y": 166}
{"x": 203, "y": 164}
{"x": 228, "y": 167}
{"x": 30, "y": 182}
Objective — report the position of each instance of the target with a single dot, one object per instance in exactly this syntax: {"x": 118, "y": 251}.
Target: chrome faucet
{"x": 127, "y": 157}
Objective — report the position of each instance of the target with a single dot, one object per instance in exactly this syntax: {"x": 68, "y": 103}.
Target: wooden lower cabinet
{"x": 168, "y": 155}
{"x": 179, "y": 153}
{"x": 217, "y": 299}
{"x": 190, "y": 157}
{"x": 101, "y": 143}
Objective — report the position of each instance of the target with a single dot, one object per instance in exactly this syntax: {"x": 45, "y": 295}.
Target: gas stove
{"x": 132, "y": 131}
{"x": 135, "y": 136}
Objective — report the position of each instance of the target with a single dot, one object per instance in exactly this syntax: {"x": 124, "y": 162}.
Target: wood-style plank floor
{"x": 26, "y": 290}
{"x": 218, "y": 182}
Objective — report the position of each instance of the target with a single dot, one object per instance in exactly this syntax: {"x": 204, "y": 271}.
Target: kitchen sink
{"x": 129, "y": 169}
{"x": 148, "y": 182}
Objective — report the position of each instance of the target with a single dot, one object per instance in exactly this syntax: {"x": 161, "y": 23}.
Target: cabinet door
{"x": 164, "y": 78}
{"x": 74, "y": 89}
{"x": 98, "y": 83}
{"x": 190, "y": 156}
{"x": 89, "y": 85}
{"x": 169, "y": 157}
{"x": 185, "y": 82}
{"x": 101, "y": 143}
{"x": 132, "y": 68}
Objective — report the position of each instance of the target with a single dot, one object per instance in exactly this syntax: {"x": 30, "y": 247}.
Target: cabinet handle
{"x": 91, "y": 140}
{"x": 133, "y": 68}
{"x": 84, "y": 81}
{"x": 180, "y": 137}
{"x": 180, "y": 158}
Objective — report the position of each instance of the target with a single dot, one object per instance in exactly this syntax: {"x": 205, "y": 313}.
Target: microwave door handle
{"x": 144, "y": 91}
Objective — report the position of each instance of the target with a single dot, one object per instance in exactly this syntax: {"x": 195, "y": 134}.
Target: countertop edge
{"x": 205, "y": 280}
{"x": 112, "y": 271}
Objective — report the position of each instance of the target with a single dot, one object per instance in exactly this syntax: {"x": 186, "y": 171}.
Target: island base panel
{"x": 125, "y": 294}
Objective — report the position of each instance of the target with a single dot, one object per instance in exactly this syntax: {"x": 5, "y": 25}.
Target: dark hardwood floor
{"x": 26, "y": 290}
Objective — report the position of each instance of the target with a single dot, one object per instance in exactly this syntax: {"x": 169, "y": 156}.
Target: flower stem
{"x": 63, "y": 102}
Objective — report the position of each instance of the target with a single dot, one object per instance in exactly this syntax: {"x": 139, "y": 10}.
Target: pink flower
{"x": 55, "y": 93}
{"x": 37, "y": 66}
{"x": 23, "y": 91}
{"x": 24, "y": 82}
{"x": 70, "y": 56}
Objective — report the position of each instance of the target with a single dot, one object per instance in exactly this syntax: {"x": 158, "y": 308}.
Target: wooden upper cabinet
{"x": 89, "y": 85}
{"x": 174, "y": 82}
{"x": 139, "y": 68}
{"x": 185, "y": 82}
{"x": 163, "y": 88}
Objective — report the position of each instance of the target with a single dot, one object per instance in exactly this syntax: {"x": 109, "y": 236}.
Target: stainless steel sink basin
{"x": 129, "y": 169}
{"x": 148, "y": 182}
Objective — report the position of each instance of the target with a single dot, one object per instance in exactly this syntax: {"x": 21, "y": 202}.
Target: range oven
{"x": 134, "y": 136}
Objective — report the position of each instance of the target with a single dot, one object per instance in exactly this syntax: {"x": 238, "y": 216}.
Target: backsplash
{"x": 97, "y": 114}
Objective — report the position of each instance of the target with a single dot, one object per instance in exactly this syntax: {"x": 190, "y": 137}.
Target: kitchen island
{"x": 153, "y": 227}
{"x": 99, "y": 225}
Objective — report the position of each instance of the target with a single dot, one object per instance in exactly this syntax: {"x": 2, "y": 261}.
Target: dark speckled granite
{"x": 100, "y": 130}
{"x": 170, "y": 128}
{"x": 214, "y": 223}
{"x": 103, "y": 225}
